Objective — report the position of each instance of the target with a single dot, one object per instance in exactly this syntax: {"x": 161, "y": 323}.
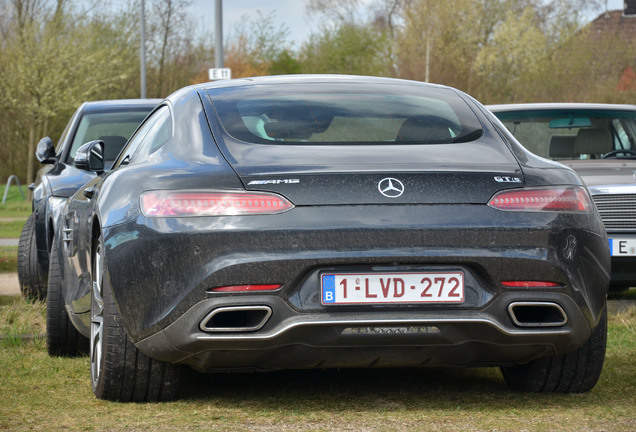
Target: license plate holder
{"x": 339, "y": 288}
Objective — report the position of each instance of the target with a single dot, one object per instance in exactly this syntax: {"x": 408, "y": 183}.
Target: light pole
{"x": 142, "y": 50}
{"x": 218, "y": 34}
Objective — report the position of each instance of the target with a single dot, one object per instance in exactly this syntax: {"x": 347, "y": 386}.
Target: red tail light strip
{"x": 561, "y": 199}
{"x": 243, "y": 288}
{"x": 530, "y": 284}
{"x": 180, "y": 203}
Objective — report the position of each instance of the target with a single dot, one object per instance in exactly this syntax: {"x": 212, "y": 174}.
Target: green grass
{"x": 11, "y": 228}
{"x": 38, "y": 392}
{"x": 8, "y": 259}
{"x": 15, "y": 206}
{"x": 13, "y": 213}
{"x": 18, "y": 318}
{"x": 12, "y": 216}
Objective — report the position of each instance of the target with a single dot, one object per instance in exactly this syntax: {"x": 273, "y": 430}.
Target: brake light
{"x": 558, "y": 199}
{"x": 243, "y": 288}
{"x": 202, "y": 203}
{"x": 529, "y": 284}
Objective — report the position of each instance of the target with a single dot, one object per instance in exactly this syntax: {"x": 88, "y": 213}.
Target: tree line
{"x": 55, "y": 54}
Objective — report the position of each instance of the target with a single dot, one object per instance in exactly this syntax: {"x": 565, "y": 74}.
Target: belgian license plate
{"x": 402, "y": 288}
{"x": 622, "y": 246}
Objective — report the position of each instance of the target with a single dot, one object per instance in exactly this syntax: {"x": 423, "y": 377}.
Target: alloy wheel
{"x": 97, "y": 317}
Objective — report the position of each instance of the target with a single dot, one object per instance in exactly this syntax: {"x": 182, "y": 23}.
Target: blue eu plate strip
{"x": 328, "y": 289}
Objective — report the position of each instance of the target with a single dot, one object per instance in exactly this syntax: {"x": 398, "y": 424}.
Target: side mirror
{"x": 90, "y": 157}
{"x": 45, "y": 151}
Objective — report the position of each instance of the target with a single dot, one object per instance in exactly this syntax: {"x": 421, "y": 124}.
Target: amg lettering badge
{"x": 274, "y": 181}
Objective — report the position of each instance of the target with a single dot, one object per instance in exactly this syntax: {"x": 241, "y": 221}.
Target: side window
{"x": 159, "y": 134}
{"x": 138, "y": 139}
{"x": 621, "y": 139}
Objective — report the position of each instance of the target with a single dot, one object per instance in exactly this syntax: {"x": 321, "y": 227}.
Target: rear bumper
{"x": 160, "y": 268}
{"x": 409, "y": 338}
{"x": 162, "y": 272}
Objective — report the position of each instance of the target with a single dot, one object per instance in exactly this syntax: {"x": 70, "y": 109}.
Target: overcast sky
{"x": 291, "y": 13}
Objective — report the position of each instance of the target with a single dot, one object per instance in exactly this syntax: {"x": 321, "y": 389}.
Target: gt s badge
{"x": 504, "y": 179}
{"x": 275, "y": 181}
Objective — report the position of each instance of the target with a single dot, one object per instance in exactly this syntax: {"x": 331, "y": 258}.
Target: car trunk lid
{"x": 466, "y": 173}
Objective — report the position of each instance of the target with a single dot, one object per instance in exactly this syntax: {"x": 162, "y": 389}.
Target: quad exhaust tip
{"x": 236, "y": 319}
{"x": 537, "y": 314}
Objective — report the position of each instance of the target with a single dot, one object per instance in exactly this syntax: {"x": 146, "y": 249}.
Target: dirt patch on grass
{"x": 9, "y": 284}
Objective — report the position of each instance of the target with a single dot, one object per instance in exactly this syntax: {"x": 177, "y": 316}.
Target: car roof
{"x": 119, "y": 104}
{"x": 308, "y": 79}
{"x": 560, "y": 106}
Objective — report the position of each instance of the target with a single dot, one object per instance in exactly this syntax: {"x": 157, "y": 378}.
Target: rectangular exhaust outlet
{"x": 236, "y": 319}
{"x": 537, "y": 314}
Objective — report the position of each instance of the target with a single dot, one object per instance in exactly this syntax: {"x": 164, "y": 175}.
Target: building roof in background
{"x": 620, "y": 24}
{"x": 617, "y": 22}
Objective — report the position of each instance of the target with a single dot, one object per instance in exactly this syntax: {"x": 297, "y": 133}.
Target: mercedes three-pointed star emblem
{"x": 391, "y": 187}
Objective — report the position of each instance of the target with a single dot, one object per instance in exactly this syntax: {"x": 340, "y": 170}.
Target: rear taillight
{"x": 558, "y": 199}
{"x": 202, "y": 203}
{"x": 530, "y": 284}
{"x": 244, "y": 288}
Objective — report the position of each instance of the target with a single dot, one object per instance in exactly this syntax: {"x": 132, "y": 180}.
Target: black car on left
{"x": 112, "y": 121}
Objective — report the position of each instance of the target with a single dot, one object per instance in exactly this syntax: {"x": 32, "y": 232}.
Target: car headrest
{"x": 561, "y": 147}
{"x": 289, "y": 129}
{"x": 593, "y": 141}
{"x": 424, "y": 129}
{"x": 112, "y": 145}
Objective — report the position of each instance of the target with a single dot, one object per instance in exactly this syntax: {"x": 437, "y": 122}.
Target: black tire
{"x": 119, "y": 371}
{"x": 62, "y": 338}
{"x": 575, "y": 372}
{"x": 31, "y": 276}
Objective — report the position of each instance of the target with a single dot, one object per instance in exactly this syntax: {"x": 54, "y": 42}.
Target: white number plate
{"x": 622, "y": 246}
{"x": 402, "y": 288}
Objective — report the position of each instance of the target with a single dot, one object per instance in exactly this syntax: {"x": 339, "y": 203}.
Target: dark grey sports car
{"x": 330, "y": 221}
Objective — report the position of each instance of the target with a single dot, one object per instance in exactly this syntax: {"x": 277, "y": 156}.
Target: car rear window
{"x": 345, "y": 114}
{"x": 572, "y": 134}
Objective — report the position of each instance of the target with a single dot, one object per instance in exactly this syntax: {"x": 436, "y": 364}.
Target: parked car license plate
{"x": 402, "y": 288}
{"x": 622, "y": 246}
